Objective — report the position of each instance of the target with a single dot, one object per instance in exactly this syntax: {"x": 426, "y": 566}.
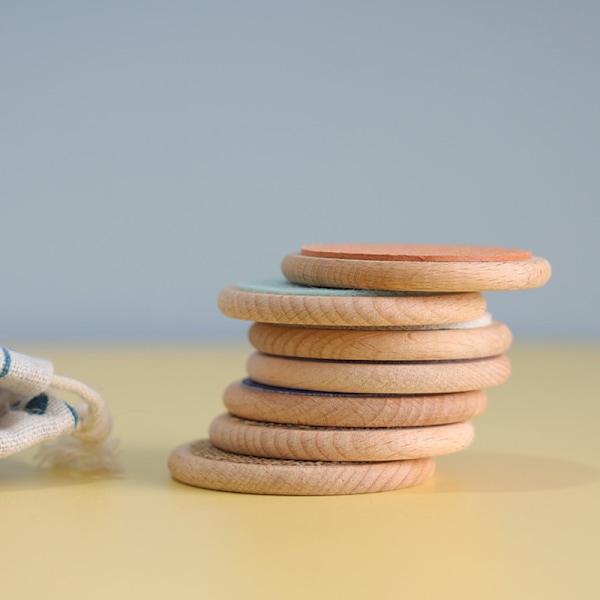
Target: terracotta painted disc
{"x": 417, "y": 275}
{"x": 202, "y": 465}
{"x": 416, "y": 252}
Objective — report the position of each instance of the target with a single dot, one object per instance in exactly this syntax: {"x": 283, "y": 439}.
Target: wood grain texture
{"x": 415, "y": 252}
{"x": 378, "y": 378}
{"x": 380, "y": 345}
{"x": 202, "y": 465}
{"x": 255, "y": 402}
{"x": 351, "y": 311}
{"x": 295, "y": 442}
{"x": 417, "y": 276}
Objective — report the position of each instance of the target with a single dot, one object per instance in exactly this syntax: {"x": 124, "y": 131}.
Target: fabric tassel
{"x": 73, "y": 453}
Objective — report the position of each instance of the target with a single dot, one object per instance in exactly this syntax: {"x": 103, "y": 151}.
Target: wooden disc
{"x": 435, "y": 377}
{"x": 297, "y": 442}
{"x": 251, "y": 400}
{"x": 417, "y": 276}
{"x": 380, "y": 345}
{"x": 349, "y": 308}
{"x": 416, "y": 252}
{"x": 202, "y": 465}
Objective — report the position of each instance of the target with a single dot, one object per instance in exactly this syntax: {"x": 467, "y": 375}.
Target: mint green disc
{"x": 287, "y": 288}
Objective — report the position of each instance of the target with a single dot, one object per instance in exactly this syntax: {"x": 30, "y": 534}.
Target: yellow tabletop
{"x": 517, "y": 515}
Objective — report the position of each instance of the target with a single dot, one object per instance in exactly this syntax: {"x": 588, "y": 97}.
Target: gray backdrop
{"x": 155, "y": 152}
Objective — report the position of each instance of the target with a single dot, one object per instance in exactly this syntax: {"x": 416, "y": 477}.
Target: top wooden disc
{"x": 421, "y": 273}
{"x": 415, "y": 252}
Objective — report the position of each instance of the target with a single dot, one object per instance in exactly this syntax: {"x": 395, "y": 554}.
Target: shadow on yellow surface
{"x": 19, "y": 474}
{"x": 493, "y": 472}
{"x": 469, "y": 472}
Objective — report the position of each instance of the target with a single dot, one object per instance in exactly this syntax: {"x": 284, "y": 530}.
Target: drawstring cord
{"x": 95, "y": 422}
{"x": 88, "y": 448}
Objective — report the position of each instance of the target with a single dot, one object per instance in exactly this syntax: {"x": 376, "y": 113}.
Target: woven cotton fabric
{"x": 24, "y": 375}
{"x": 31, "y": 414}
{"x": 27, "y": 423}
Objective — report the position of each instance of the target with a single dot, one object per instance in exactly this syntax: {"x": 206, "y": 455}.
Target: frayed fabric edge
{"x": 81, "y": 455}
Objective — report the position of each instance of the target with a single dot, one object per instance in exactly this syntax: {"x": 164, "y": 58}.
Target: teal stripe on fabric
{"x": 37, "y": 405}
{"x": 7, "y": 361}
{"x": 74, "y": 413}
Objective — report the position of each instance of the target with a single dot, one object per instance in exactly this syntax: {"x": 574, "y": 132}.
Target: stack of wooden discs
{"x": 370, "y": 361}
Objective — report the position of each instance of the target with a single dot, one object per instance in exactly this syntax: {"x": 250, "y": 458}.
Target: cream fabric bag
{"x": 31, "y": 414}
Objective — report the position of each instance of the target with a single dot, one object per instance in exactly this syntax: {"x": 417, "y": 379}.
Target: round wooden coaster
{"x": 296, "y": 305}
{"x": 257, "y": 402}
{"x": 202, "y": 465}
{"x": 377, "y": 345}
{"x": 297, "y": 442}
{"x": 437, "y": 377}
{"x": 416, "y": 252}
{"x": 417, "y": 276}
